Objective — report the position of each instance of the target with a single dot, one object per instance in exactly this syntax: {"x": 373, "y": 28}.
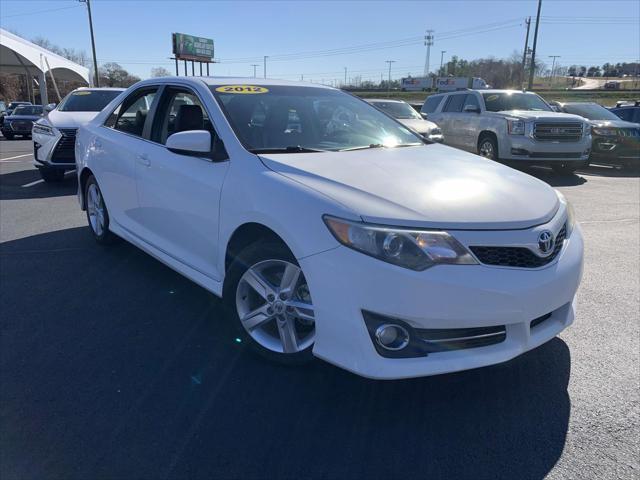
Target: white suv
{"x": 511, "y": 126}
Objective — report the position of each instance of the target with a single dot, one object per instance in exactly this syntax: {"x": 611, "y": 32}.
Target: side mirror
{"x": 424, "y": 115}
{"x": 471, "y": 109}
{"x": 192, "y": 142}
{"x": 50, "y": 107}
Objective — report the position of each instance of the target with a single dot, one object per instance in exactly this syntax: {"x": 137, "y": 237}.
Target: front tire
{"x": 268, "y": 300}
{"x": 488, "y": 148}
{"x": 97, "y": 213}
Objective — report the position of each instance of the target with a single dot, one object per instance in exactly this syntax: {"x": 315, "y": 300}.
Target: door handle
{"x": 143, "y": 159}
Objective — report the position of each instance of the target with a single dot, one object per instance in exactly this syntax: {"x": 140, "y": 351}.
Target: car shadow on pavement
{"x": 114, "y": 366}
{"x": 12, "y": 185}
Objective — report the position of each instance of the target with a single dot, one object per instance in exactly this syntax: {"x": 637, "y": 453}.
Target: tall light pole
{"x": 265, "y": 66}
{"x": 526, "y": 48}
{"x": 254, "y": 65}
{"x": 535, "y": 43}
{"x": 553, "y": 68}
{"x": 442, "y": 52}
{"x": 389, "y": 84}
{"x": 428, "y": 41}
{"x": 96, "y": 79}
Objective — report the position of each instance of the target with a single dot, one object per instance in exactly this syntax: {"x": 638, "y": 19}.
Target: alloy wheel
{"x": 95, "y": 209}
{"x": 487, "y": 150}
{"x": 274, "y": 306}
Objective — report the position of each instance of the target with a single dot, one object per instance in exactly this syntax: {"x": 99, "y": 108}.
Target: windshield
{"x": 499, "y": 102}
{"x": 293, "y": 118}
{"x": 13, "y": 105}
{"x": 592, "y": 111}
{"x": 398, "y": 110}
{"x": 28, "y": 110}
{"x": 87, "y": 100}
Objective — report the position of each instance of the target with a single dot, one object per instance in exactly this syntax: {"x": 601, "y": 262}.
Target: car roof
{"x": 211, "y": 81}
{"x": 100, "y": 89}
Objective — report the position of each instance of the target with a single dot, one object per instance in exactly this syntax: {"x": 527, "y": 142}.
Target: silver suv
{"x": 511, "y": 126}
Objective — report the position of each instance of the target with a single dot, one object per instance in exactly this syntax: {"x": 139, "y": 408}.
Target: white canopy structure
{"x": 19, "y": 56}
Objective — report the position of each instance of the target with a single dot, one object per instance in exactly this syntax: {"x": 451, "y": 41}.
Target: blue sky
{"x": 137, "y": 33}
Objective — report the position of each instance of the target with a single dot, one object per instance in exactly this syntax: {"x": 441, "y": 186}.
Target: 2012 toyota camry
{"x": 329, "y": 228}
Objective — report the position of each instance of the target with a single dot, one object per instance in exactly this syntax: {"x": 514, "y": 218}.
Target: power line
{"x": 39, "y": 12}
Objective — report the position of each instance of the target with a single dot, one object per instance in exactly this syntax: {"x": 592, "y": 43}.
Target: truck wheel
{"x": 488, "y": 147}
{"x": 52, "y": 175}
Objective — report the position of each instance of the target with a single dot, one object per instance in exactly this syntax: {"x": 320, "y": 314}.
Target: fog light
{"x": 392, "y": 337}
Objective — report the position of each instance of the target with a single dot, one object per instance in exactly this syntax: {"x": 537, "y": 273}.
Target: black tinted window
{"x": 87, "y": 100}
{"x": 431, "y": 104}
{"x": 131, "y": 115}
{"x": 28, "y": 110}
{"x": 454, "y": 103}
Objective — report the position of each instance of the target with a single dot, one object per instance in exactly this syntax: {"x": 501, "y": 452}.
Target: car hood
{"x": 33, "y": 118}
{"x": 420, "y": 126}
{"x": 70, "y": 119}
{"x": 542, "y": 116}
{"x": 613, "y": 123}
{"x": 431, "y": 186}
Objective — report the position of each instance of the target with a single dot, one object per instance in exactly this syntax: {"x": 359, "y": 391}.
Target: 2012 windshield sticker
{"x": 242, "y": 89}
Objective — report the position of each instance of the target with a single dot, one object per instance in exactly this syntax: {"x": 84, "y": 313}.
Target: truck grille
{"x": 518, "y": 257}
{"x": 558, "y": 132}
{"x": 65, "y": 149}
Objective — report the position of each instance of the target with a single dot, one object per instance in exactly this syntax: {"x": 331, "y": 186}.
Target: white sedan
{"x": 329, "y": 228}
{"x": 408, "y": 116}
{"x": 54, "y": 136}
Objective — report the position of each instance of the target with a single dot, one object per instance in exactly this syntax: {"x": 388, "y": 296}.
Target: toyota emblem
{"x": 545, "y": 242}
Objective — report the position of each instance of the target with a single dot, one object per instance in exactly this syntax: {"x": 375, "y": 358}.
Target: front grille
{"x": 22, "y": 125}
{"x": 518, "y": 257}
{"x": 448, "y": 339}
{"x": 65, "y": 149}
{"x": 559, "y": 132}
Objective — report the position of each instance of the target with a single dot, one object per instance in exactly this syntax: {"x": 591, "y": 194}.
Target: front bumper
{"x": 52, "y": 151}
{"x": 344, "y": 283}
{"x": 616, "y": 149}
{"x": 524, "y": 148}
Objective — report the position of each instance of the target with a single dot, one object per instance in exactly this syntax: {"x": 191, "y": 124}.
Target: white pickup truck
{"x": 511, "y": 126}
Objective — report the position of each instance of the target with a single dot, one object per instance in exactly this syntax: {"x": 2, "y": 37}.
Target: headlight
{"x": 571, "y": 216}
{"x": 42, "y": 129}
{"x": 515, "y": 127}
{"x": 413, "y": 249}
{"x": 604, "y": 131}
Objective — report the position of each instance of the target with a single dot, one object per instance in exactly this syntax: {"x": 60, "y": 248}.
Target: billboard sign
{"x": 189, "y": 47}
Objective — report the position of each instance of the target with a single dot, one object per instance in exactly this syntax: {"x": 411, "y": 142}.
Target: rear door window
{"x": 131, "y": 115}
{"x": 454, "y": 103}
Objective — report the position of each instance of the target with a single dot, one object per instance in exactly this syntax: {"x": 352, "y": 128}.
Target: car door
{"x": 469, "y": 123}
{"x": 179, "y": 195}
{"x": 452, "y": 110}
{"x": 116, "y": 147}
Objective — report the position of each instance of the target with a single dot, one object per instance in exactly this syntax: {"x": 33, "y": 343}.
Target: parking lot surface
{"x": 114, "y": 366}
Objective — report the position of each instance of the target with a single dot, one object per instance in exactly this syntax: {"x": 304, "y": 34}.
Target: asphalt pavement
{"x": 112, "y": 366}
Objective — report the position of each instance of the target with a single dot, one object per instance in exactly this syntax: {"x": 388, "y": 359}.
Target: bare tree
{"x": 160, "y": 72}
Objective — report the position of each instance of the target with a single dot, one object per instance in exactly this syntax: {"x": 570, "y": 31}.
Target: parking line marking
{"x": 27, "y": 185}
{"x": 17, "y": 156}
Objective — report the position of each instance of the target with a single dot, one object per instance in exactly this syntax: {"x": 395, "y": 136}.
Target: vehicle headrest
{"x": 189, "y": 117}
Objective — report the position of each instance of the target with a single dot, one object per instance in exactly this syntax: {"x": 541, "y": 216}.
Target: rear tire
{"x": 272, "y": 325}
{"x": 488, "y": 147}
{"x": 97, "y": 213}
{"x": 51, "y": 175}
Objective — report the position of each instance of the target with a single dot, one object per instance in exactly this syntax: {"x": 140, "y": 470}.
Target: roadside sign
{"x": 189, "y": 47}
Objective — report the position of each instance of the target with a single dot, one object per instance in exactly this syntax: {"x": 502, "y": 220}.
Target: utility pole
{"x": 532, "y": 69}
{"x": 553, "y": 68}
{"x": 96, "y": 79}
{"x": 389, "y": 84}
{"x": 442, "y": 52}
{"x": 345, "y": 76}
{"x": 526, "y": 50}
{"x": 428, "y": 41}
{"x": 265, "y": 66}
{"x": 254, "y": 65}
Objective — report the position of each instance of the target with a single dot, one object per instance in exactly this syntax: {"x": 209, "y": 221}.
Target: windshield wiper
{"x": 289, "y": 149}
{"x": 379, "y": 145}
